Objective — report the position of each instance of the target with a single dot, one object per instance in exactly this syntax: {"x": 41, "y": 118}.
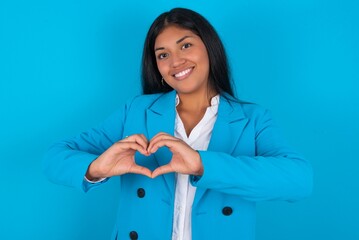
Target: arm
{"x": 275, "y": 172}
{"x": 67, "y": 161}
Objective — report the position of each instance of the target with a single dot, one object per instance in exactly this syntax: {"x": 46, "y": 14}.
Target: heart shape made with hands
{"x": 120, "y": 157}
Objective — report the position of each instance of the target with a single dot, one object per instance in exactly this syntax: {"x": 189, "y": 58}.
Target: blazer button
{"x": 133, "y": 235}
{"x": 141, "y": 192}
{"x": 227, "y": 211}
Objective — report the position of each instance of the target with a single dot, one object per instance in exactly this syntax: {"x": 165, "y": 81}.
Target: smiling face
{"x": 182, "y": 60}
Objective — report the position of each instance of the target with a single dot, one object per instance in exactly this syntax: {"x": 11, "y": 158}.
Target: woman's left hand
{"x": 184, "y": 160}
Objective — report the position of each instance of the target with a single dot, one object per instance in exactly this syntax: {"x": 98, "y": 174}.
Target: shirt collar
{"x": 214, "y": 100}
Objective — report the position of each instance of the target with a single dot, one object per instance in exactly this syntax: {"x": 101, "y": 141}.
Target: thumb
{"x": 141, "y": 170}
{"x": 162, "y": 170}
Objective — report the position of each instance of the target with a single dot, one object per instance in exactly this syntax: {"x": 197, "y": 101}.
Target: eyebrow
{"x": 177, "y": 42}
{"x": 181, "y": 39}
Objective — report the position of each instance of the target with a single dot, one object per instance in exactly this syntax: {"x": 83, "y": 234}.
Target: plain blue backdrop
{"x": 66, "y": 65}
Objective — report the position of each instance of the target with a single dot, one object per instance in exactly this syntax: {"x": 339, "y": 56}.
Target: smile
{"x": 183, "y": 73}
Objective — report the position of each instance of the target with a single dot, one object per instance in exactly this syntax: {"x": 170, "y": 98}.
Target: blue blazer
{"x": 246, "y": 161}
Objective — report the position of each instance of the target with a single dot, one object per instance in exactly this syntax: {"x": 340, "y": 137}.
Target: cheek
{"x": 161, "y": 67}
{"x": 206, "y": 58}
{"x": 202, "y": 57}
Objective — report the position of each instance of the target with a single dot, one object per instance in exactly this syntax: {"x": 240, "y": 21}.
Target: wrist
{"x": 201, "y": 168}
{"x": 93, "y": 181}
{"x": 91, "y": 174}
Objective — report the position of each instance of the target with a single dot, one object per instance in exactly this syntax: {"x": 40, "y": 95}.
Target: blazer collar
{"x": 160, "y": 117}
{"x": 229, "y": 125}
{"x": 226, "y": 132}
{"x": 165, "y": 105}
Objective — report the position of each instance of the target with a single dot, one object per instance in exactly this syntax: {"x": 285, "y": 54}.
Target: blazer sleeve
{"x": 276, "y": 172}
{"x": 66, "y": 162}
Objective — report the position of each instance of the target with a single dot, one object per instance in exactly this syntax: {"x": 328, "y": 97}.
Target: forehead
{"x": 171, "y": 34}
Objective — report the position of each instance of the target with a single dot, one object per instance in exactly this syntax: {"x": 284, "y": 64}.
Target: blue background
{"x": 66, "y": 65}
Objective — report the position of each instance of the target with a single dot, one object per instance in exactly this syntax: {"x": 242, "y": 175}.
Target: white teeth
{"x": 180, "y": 74}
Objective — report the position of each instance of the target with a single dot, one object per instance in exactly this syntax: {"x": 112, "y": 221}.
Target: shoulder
{"x": 254, "y": 110}
{"x": 143, "y": 100}
{"x": 155, "y": 102}
{"x": 249, "y": 110}
{"x": 256, "y": 115}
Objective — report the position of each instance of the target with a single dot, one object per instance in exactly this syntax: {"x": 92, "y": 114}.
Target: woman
{"x": 192, "y": 159}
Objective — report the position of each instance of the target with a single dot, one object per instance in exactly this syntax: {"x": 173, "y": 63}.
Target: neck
{"x": 195, "y": 101}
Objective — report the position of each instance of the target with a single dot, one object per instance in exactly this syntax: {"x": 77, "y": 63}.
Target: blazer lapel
{"x": 161, "y": 118}
{"x": 226, "y": 132}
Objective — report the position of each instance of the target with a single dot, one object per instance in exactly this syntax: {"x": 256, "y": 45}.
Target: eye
{"x": 186, "y": 45}
{"x": 162, "y": 55}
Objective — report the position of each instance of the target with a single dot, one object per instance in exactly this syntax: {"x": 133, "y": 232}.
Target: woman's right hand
{"x": 120, "y": 159}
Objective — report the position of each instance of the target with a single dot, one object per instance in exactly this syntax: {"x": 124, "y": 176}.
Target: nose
{"x": 177, "y": 60}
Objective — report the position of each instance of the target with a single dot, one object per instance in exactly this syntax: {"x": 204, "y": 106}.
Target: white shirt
{"x": 198, "y": 139}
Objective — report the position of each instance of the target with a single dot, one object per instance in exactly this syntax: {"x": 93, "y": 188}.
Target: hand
{"x": 184, "y": 160}
{"x": 120, "y": 159}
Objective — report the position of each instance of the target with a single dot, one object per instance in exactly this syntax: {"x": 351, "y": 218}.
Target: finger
{"x": 172, "y": 144}
{"x": 162, "y": 170}
{"x": 161, "y": 135}
{"x": 142, "y": 136}
{"x": 141, "y": 170}
{"x": 142, "y": 140}
{"x": 138, "y": 138}
{"x": 158, "y": 138}
{"x": 133, "y": 146}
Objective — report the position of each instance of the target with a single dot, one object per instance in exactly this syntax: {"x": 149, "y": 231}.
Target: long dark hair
{"x": 219, "y": 77}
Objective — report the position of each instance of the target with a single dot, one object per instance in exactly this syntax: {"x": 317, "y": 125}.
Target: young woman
{"x": 192, "y": 159}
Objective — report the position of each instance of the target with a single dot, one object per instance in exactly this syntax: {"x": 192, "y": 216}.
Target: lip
{"x": 180, "y": 75}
